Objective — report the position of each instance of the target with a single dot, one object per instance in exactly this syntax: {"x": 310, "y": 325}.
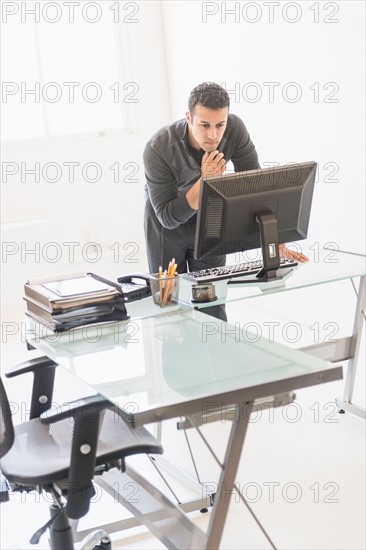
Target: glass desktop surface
{"x": 180, "y": 362}
{"x": 325, "y": 266}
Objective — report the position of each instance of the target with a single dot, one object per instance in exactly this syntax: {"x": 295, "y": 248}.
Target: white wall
{"x": 40, "y": 219}
{"x": 238, "y": 43}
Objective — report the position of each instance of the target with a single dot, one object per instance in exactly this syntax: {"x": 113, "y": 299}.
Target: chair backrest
{"x": 6, "y": 423}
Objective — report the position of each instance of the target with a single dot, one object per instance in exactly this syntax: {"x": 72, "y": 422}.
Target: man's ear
{"x": 188, "y": 117}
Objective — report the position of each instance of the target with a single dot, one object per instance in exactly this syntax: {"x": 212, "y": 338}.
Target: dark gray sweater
{"x": 171, "y": 170}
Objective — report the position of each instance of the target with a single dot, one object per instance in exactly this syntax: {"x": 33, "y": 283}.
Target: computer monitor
{"x": 257, "y": 208}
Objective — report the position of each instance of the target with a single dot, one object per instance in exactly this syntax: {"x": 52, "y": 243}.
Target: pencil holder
{"x": 164, "y": 289}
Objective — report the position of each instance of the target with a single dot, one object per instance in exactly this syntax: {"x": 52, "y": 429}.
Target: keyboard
{"x": 229, "y": 271}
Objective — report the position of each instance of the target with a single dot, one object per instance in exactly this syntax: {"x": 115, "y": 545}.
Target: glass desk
{"x": 169, "y": 363}
{"x": 168, "y": 366}
{"x": 325, "y": 266}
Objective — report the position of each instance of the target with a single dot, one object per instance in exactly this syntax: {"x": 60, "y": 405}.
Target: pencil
{"x": 170, "y": 283}
{"x": 171, "y": 267}
{"x": 160, "y": 284}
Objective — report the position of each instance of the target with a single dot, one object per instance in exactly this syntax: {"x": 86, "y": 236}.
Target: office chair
{"x": 60, "y": 451}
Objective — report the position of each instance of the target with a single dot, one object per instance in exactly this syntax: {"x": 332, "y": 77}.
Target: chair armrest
{"x": 4, "y": 488}
{"x": 43, "y": 370}
{"x": 32, "y": 365}
{"x": 73, "y": 409}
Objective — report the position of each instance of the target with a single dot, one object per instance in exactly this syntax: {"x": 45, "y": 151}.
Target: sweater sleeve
{"x": 245, "y": 156}
{"x": 168, "y": 201}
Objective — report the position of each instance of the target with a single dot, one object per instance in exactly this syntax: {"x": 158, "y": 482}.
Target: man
{"x": 175, "y": 160}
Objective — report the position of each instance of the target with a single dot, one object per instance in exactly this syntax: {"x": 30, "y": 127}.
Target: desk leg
{"x": 227, "y": 477}
{"x": 346, "y": 404}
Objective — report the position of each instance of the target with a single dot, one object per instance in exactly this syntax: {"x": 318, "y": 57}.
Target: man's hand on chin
{"x": 292, "y": 255}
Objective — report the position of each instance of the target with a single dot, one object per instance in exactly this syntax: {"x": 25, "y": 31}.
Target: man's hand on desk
{"x": 292, "y": 255}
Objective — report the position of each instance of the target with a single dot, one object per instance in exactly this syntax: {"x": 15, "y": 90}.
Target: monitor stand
{"x": 272, "y": 269}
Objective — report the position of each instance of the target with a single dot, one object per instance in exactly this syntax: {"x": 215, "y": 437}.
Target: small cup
{"x": 203, "y": 292}
{"x": 164, "y": 289}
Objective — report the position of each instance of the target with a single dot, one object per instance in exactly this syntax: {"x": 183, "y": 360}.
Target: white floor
{"x": 302, "y": 470}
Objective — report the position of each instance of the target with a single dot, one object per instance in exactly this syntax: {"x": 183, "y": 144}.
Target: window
{"x": 63, "y": 71}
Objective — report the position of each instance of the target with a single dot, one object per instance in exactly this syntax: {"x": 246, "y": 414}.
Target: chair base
{"x": 61, "y": 535}
{"x": 60, "y": 531}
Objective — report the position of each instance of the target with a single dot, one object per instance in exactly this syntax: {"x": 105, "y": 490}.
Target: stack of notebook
{"x": 65, "y": 303}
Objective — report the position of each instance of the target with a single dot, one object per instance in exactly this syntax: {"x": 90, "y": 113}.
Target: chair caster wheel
{"x": 341, "y": 411}
{"x": 105, "y": 543}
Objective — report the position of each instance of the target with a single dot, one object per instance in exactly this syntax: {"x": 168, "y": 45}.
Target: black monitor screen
{"x": 236, "y": 210}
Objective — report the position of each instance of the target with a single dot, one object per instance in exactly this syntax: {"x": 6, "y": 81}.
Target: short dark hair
{"x": 210, "y": 95}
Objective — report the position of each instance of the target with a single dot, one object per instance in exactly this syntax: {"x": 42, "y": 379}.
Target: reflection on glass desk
{"x": 326, "y": 266}
{"x": 170, "y": 364}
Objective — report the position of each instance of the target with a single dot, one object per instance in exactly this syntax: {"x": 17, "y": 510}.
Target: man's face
{"x": 206, "y": 127}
